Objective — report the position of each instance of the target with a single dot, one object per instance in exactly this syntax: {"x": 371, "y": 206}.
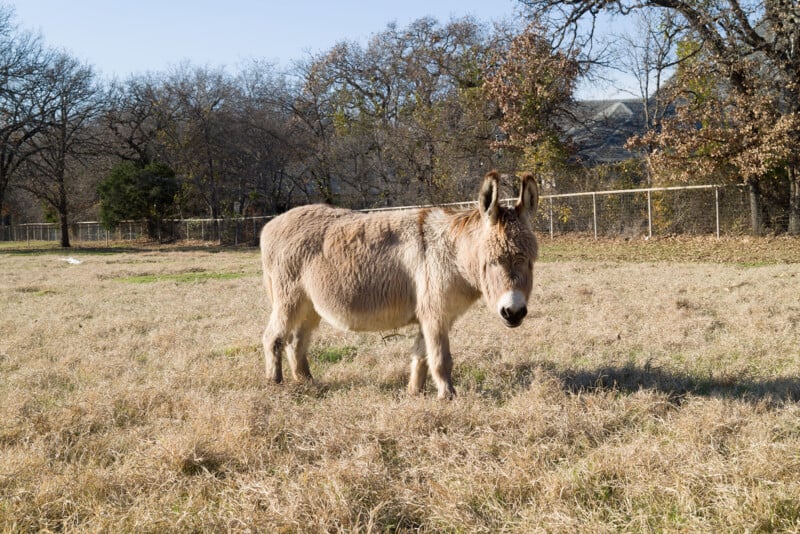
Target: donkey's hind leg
{"x": 296, "y": 351}
{"x": 275, "y": 338}
{"x": 287, "y": 310}
{"x": 419, "y": 367}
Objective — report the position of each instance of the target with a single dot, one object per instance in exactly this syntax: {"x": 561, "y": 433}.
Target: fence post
{"x": 551, "y": 217}
{"x": 649, "y": 217}
{"x": 594, "y": 213}
{"x": 716, "y": 206}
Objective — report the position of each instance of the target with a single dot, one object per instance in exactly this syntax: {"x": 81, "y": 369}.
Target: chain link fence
{"x": 239, "y": 231}
{"x": 80, "y": 231}
{"x": 697, "y": 210}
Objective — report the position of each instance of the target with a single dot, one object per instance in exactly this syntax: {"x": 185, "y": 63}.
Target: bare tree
{"x": 649, "y": 54}
{"x": 24, "y": 97}
{"x": 199, "y": 137}
{"x": 135, "y": 115}
{"x": 264, "y": 140}
{"x": 55, "y": 172}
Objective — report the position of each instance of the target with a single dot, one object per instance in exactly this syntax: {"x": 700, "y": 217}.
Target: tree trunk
{"x": 755, "y": 207}
{"x": 794, "y": 199}
{"x": 62, "y": 216}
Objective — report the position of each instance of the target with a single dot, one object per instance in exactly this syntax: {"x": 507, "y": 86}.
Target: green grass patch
{"x": 472, "y": 374}
{"x": 333, "y": 354}
{"x": 28, "y": 246}
{"x": 17, "y": 248}
{"x": 35, "y": 291}
{"x": 190, "y": 277}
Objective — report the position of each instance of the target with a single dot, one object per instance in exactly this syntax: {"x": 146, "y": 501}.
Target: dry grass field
{"x": 654, "y": 387}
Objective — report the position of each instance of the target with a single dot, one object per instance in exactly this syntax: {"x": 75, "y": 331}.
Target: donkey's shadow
{"x": 626, "y": 379}
{"x": 630, "y": 378}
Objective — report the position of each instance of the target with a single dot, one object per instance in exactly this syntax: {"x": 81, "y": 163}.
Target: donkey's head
{"x": 507, "y": 248}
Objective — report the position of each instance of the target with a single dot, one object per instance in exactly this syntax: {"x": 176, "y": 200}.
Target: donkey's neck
{"x": 463, "y": 233}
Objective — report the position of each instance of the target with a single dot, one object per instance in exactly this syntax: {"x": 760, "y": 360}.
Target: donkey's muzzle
{"x": 513, "y": 318}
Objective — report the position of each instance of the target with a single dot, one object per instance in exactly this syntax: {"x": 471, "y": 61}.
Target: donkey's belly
{"x": 368, "y": 321}
{"x": 362, "y": 283}
{"x": 365, "y": 311}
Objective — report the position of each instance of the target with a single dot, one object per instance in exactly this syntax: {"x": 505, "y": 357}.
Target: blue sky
{"x": 120, "y": 38}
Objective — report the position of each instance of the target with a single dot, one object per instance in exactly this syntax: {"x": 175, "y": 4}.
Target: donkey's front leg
{"x": 440, "y": 362}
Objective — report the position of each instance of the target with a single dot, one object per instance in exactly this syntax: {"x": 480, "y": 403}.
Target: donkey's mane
{"x": 464, "y": 221}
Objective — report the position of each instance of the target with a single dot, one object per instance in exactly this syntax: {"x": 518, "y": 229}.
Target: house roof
{"x": 600, "y": 128}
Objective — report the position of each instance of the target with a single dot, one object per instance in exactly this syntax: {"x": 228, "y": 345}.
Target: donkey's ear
{"x": 487, "y": 199}
{"x": 528, "y": 200}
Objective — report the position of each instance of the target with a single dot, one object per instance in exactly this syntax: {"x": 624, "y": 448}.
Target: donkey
{"x": 380, "y": 271}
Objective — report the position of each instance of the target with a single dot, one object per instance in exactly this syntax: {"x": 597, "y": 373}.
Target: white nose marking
{"x": 512, "y": 301}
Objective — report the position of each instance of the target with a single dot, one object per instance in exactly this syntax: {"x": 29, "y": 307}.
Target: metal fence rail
{"x": 700, "y": 210}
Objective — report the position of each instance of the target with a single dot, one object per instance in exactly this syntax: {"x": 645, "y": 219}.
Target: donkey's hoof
{"x": 303, "y": 379}
{"x": 448, "y": 394}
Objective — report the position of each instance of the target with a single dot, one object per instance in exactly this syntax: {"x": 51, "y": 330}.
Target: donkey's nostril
{"x": 513, "y": 316}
